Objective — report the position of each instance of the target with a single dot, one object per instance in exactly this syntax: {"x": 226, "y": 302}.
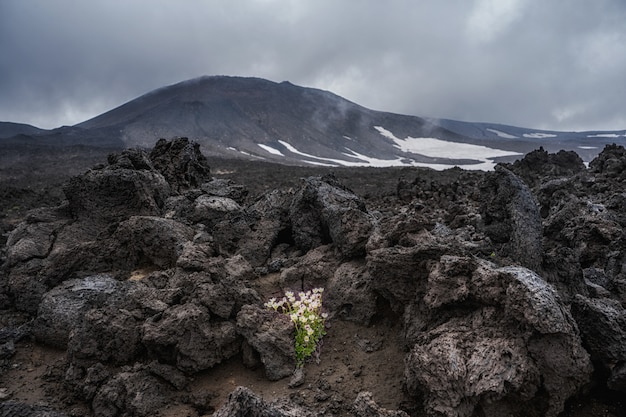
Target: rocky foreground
{"x": 505, "y": 289}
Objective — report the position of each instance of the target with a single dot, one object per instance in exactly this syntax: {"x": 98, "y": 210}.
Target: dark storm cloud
{"x": 553, "y": 64}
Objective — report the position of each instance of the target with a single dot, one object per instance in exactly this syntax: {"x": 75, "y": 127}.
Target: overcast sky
{"x": 551, "y": 64}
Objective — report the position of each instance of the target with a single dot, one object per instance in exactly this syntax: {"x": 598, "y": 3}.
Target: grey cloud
{"x": 556, "y": 64}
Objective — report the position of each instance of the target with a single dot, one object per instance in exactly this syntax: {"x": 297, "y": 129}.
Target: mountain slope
{"x": 276, "y": 121}
{"x": 239, "y": 117}
{"x": 9, "y": 129}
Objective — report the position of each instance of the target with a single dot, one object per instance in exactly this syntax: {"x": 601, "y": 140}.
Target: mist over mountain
{"x": 253, "y": 118}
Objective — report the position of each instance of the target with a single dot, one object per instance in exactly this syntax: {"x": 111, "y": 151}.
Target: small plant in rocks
{"x": 305, "y": 311}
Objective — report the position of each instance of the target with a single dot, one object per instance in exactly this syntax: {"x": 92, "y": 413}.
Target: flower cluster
{"x": 305, "y": 311}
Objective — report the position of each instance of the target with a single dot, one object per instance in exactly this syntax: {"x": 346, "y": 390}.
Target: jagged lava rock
{"x": 63, "y": 307}
{"x": 476, "y": 272}
{"x": 271, "y": 335}
{"x": 181, "y": 163}
{"x": 325, "y": 211}
{"x": 502, "y": 338}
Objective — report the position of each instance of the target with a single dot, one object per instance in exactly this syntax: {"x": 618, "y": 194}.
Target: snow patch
{"x": 271, "y": 150}
{"x": 539, "y": 135}
{"x": 437, "y": 148}
{"x": 334, "y": 162}
{"x": 503, "y": 134}
{"x": 587, "y": 147}
{"x": 606, "y": 135}
{"x": 366, "y": 161}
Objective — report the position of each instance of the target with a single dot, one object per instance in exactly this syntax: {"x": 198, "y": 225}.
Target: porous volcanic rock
{"x": 17, "y": 409}
{"x": 129, "y": 185}
{"x": 365, "y": 406}
{"x": 242, "y": 402}
{"x": 505, "y": 289}
{"x": 181, "y": 163}
{"x": 511, "y": 218}
{"x": 185, "y": 336}
{"x": 271, "y": 335}
{"x": 325, "y": 211}
{"x": 502, "y": 338}
{"x": 112, "y": 211}
{"x": 62, "y": 308}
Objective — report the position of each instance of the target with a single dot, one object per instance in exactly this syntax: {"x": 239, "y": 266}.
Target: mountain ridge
{"x": 254, "y": 118}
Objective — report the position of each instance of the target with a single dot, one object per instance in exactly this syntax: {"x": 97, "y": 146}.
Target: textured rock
{"x": 83, "y": 238}
{"x": 602, "y": 323}
{"x": 271, "y": 335}
{"x": 225, "y": 188}
{"x": 131, "y": 392}
{"x": 186, "y": 337}
{"x": 511, "y": 216}
{"x": 398, "y": 272}
{"x": 128, "y": 186}
{"x": 324, "y": 211}
{"x": 108, "y": 334}
{"x": 365, "y": 406}
{"x": 476, "y": 272}
{"x": 62, "y": 308}
{"x": 311, "y": 270}
{"x": 181, "y": 163}
{"x": 196, "y": 254}
{"x": 151, "y": 241}
{"x": 349, "y": 294}
{"x": 505, "y": 337}
{"x": 222, "y": 286}
{"x": 268, "y": 227}
{"x": 611, "y": 162}
{"x": 539, "y": 164}
{"x": 244, "y": 403}
{"x": 17, "y": 409}
{"x": 209, "y": 210}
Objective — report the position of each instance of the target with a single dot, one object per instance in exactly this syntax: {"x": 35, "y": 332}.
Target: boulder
{"x": 398, "y": 272}
{"x": 220, "y": 187}
{"x": 132, "y": 392}
{"x": 150, "y": 241}
{"x": 365, "y": 406}
{"x": 222, "y": 286}
{"x": 611, "y": 162}
{"x": 602, "y": 323}
{"x": 270, "y": 334}
{"x": 210, "y": 210}
{"x": 19, "y": 409}
{"x": 492, "y": 339}
{"x": 128, "y": 186}
{"x": 62, "y": 309}
{"x": 511, "y": 218}
{"x": 257, "y": 229}
{"x": 185, "y": 336}
{"x": 348, "y": 294}
{"x": 242, "y": 402}
{"x": 325, "y": 211}
{"x": 269, "y": 226}
{"x": 196, "y": 254}
{"x": 33, "y": 238}
{"x": 108, "y": 334}
{"x": 536, "y": 166}
{"x": 311, "y": 270}
{"x": 181, "y": 163}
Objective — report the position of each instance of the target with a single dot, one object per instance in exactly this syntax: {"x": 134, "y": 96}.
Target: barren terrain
{"x": 354, "y": 357}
